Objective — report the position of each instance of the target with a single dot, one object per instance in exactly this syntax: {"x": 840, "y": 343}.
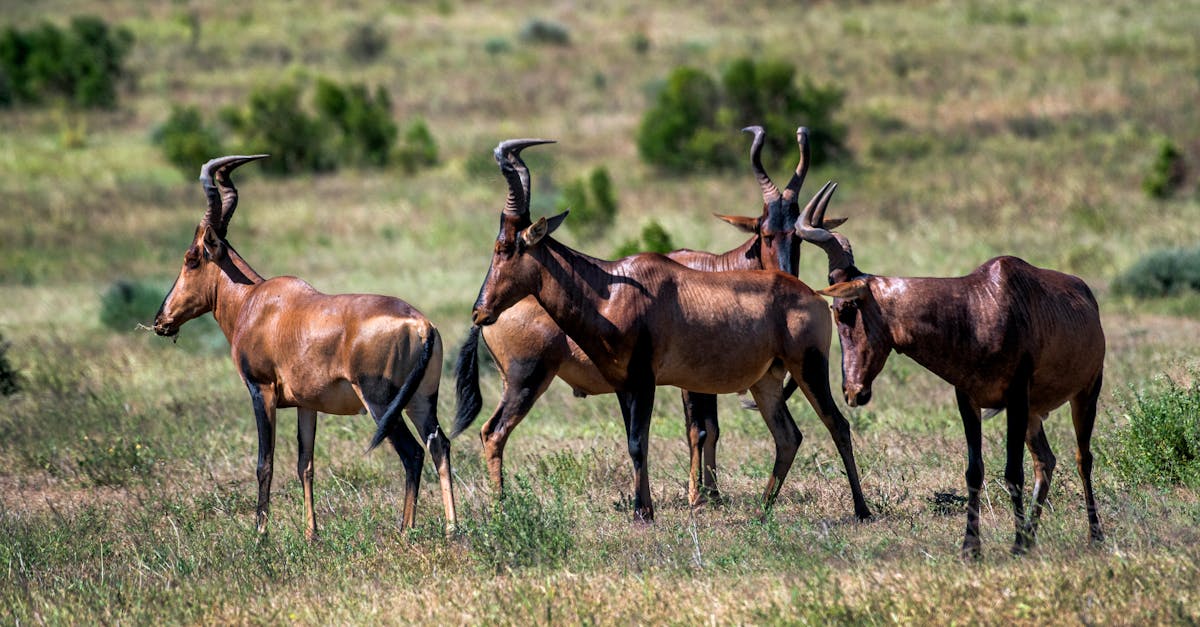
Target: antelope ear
{"x": 830, "y": 224}
{"x": 749, "y": 225}
{"x": 534, "y": 233}
{"x": 214, "y": 247}
{"x": 849, "y": 290}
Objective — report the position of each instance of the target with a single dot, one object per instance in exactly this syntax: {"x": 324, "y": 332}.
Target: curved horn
{"x": 793, "y": 187}
{"x": 218, "y": 187}
{"x": 804, "y": 226}
{"x": 508, "y": 156}
{"x": 836, "y": 246}
{"x": 817, "y": 219}
{"x": 769, "y": 191}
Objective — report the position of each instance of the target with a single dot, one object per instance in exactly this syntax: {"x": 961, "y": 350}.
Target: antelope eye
{"x": 192, "y": 259}
{"x": 506, "y": 249}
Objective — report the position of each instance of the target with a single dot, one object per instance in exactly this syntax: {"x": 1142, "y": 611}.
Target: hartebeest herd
{"x": 1009, "y": 336}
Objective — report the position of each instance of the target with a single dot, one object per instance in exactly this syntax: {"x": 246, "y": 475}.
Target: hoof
{"x": 971, "y": 550}
{"x": 644, "y": 515}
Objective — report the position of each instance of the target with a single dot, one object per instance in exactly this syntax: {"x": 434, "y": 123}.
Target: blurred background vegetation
{"x": 1064, "y": 133}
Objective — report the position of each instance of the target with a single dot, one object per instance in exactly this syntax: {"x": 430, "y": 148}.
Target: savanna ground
{"x": 978, "y": 128}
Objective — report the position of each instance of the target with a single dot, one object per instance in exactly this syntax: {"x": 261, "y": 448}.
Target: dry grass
{"x": 978, "y": 129}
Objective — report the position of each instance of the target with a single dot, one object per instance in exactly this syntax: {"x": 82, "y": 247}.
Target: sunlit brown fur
{"x": 296, "y": 347}
{"x": 530, "y": 349}
{"x": 646, "y": 320}
{"x": 1007, "y": 336}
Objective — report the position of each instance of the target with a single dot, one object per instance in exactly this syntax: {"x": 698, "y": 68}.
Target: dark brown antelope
{"x": 646, "y": 321}
{"x": 1007, "y": 336}
{"x": 530, "y": 349}
{"x": 296, "y": 347}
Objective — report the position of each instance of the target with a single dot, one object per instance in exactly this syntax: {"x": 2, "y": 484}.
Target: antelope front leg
{"x": 700, "y": 415}
{"x": 972, "y": 427}
{"x": 636, "y": 408}
{"x": 306, "y": 435}
{"x": 263, "y": 399}
{"x": 1017, "y": 411}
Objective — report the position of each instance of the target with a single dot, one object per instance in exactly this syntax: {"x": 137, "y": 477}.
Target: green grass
{"x": 127, "y": 490}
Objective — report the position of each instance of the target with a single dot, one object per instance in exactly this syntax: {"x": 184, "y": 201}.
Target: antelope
{"x": 530, "y": 349}
{"x": 646, "y": 320}
{"x": 296, "y": 347}
{"x": 1008, "y": 335}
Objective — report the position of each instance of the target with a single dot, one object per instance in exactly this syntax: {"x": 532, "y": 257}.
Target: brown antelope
{"x": 296, "y": 347}
{"x": 646, "y": 321}
{"x": 1009, "y": 335}
{"x": 530, "y": 349}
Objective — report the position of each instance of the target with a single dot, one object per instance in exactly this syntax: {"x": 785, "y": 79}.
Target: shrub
{"x": 418, "y": 148}
{"x": 686, "y": 106}
{"x": 496, "y": 46}
{"x": 126, "y": 303}
{"x": 1161, "y": 273}
{"x": 368, "y": 131}
{"x": 10, "y": 377}
{"x": 1160, "y": 443}
{"x": 365, "y": 43}
{"x": 81, "y": 64}
{"x": 765, "y": 92}
{"x": 523, "y": 530}
{"x": 654, "y": 239}
{"x": 274, "y": 122}
{"x": 592, "y": 203}
{"x": 540, "y": 31}
{"x": 694, "y": 121}
{"x": 186, "y": 141}
{"x": 1166, "y": 172}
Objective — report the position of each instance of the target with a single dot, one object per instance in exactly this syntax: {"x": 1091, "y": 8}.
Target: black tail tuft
{"x": 466, "y": 383}
{"x": 400, "y": 401}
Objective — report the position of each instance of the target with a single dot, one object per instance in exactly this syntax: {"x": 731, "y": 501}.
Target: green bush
{"x": 496, "y": 46}
{"x": 523, "y": 530}
{"x": 686, "y": 106}
{"x": 418, "y": 148}
{"x": 694, "y": 121}
{"x": 1161, "y": 273}
{"x": 368, "y": 131}
{"x": 654, "y": 239}
{"x": 1166, "y": 172}
{"x": 540, "y": 31}
{"x": 349, "y": 124}
{"x": 126, "y": 303}
{"x": 274, "y": 122}
{"x": 765, "y": 92}
{"x": 10, "y": 377}
{"x": 365, "y": 43}
{"x": 82, "y": 64}
{"x": 592, "y": 203}
{"x": 186, "y": 141}
{"x": 1160, "y": 442}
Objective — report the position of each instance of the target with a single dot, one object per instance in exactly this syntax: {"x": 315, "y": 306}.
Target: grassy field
{"x": 980, "y": 128}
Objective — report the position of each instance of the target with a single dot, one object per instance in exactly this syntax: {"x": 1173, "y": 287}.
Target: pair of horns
{"x": 218, "y": 187}
{"x": 516, "y": 173}
{"x": 769, "y": 190}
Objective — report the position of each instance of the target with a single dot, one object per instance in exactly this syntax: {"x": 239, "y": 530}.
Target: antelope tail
{"x": 400, "y": 401}
{"x": 466, "y": 385}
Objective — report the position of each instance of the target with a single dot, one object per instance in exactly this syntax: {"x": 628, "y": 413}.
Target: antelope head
{"x": 194, "y": 291}
{"x": 776, "y": 228}
{"x": 512, "y": 274}
{"x": 862, "y": 330}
